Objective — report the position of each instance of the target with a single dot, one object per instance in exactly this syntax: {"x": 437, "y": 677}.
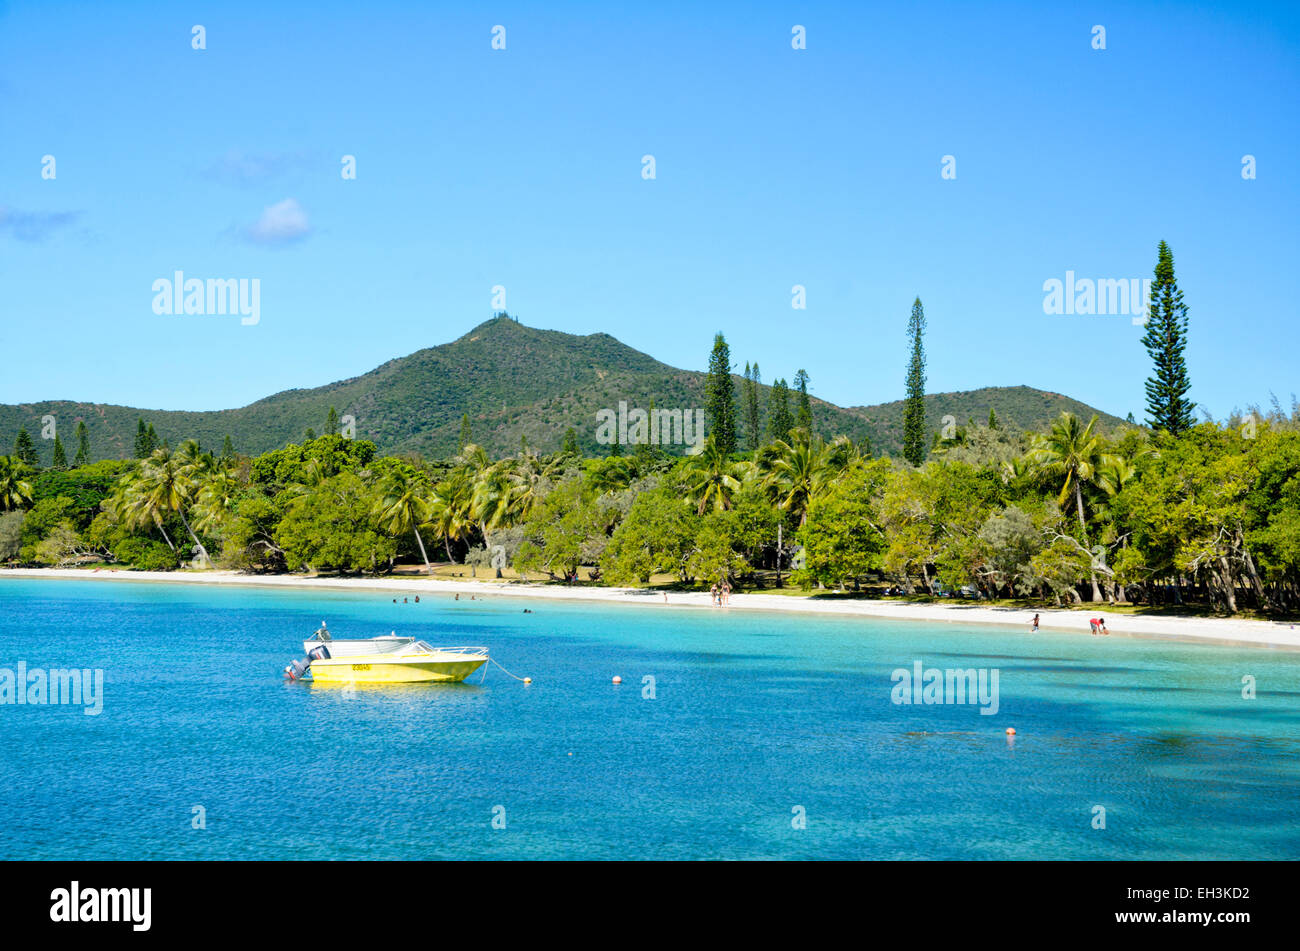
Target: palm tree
{"x": 213, "y": 501}
{"x": 533, "y": 479}
{"x": 449, "y": 508}
{"x": 164, "y": 485}
{"x": 1073, "y": 452}
{"x": 15, "y": 491}
{"x": 403, "y": 505}
{"x": 611, "y": 475}
{"x": 798, "y": 471}
{"x": 713, "y": 478}
{"x": 494, "y": 503}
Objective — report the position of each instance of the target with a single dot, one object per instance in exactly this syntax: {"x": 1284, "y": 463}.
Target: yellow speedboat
{"x": 412, "y": 663}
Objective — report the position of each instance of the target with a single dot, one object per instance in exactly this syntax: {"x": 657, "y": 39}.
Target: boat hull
{"x": 391, "y": 670}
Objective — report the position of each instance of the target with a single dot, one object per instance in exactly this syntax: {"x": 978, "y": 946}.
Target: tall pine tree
{"x": 804, "y": 418}
{"x": 60, "y": 459}
{"x": 1168, "y": 407}
{"x": 332, "y": 422}
{"x": 570, "y": 446}
{"x": 753, "y": 427}
{"x": 719, "y": 400}
{"x": 83, "y": 445}
{"x": 779, "y": 421}
{"x": 914, "y": 403}
{"x": 141, "y": 440}
{"x": 25, "y": 449}
{"x": 464, "y": 433}
{"x": 227, "y": 449}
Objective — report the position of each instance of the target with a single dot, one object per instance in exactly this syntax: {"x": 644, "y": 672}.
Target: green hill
{"x": 514, "y": 381}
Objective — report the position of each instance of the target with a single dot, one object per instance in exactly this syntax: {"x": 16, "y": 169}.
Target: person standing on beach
{"x": 1034, "y": 629}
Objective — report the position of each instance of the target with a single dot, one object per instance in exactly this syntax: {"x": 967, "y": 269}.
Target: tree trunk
{"x": 1229, "y": 585}
{"x": 423, "y": 554}
{"x": 202, "y": 551}
{"x": 1083, "y": 527}
{"x": 1255, "y": 583}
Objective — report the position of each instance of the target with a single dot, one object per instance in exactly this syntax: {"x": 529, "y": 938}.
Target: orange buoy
{"x": 1011, "y": 731}
{"x": 618, "y": 680}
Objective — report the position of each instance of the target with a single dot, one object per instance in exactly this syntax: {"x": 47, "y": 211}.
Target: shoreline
{"x": 1219, "y": 631}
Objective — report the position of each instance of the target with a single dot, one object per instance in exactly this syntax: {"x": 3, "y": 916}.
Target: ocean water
{"x": 767, "y": 736}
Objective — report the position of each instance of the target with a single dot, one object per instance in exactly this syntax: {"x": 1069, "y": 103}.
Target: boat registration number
{"x": 360, "y": 666}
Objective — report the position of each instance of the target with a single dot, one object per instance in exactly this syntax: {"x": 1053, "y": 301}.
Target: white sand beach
{"x": 1284, "y": 635}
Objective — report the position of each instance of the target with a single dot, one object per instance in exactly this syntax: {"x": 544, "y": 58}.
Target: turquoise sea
{"x": 767, "y": 736}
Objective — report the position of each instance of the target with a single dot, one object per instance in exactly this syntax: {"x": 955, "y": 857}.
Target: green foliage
{"x": 11, "y": 535}
{"x": 145, "y": 554}
{"x": 311, "y": 461}
{"x": 59, "y": 459}
{"x": 657, "y": 535}
{"x": 716, "y": 554}
{"x": 44, "y": 516}
{"x": 566, "y": 530}
{"x": 15, "y": 487}
{"x": 85, "y": 486}
{"x": 841, "y": 537}
{"x": 331, "y": 527}
{"x": 58, "y": 547}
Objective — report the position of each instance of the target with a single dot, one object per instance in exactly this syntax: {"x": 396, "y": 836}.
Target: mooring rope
{"x": 503, "y": 670}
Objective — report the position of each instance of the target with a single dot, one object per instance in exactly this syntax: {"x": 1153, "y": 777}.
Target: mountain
{"x": 514, "y": 381}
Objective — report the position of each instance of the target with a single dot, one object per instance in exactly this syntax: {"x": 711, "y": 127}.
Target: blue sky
{"x": 522, "y": 168}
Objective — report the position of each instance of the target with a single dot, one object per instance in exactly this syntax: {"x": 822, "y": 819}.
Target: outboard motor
{"x": 297, "y": 668}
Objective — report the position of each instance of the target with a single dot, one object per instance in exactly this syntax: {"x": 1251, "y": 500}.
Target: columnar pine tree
{"x": 227, "y": 449}
{"x": 570, "y": 442}
{"x": 141, "y": 440}
{"x": 719, "y": 402}
{"x": 24, "y": 448}
{"x": 332, "y": 422}
{"x": 804, "y": 418}
{"x": 779, "y": 421}
{"x": 464, "y": 433}
{"x": 753, "y": 424}
{"x": 83, "y": 445}
{"x": 993, "y": 419}
{"x": 151, "y": 441}
{"x": 914, "y": 404}
{"x": 1168, "y": 407}
{"x": 60, "y": 458}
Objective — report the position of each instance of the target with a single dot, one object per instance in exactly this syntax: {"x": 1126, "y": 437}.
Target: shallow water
{"x": 755, "y": 716}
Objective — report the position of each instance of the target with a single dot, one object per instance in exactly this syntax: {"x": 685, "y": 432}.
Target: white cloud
{"x": 281, "y": 223}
